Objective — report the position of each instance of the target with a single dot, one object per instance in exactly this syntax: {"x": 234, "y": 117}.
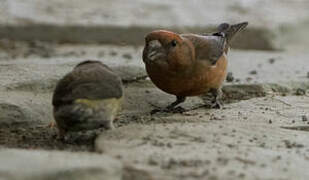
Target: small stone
{"x": 271, "y": 60}
{"x": 263, "y": 165}
{"x": 285, "y": 169}
{"x": 152, "y": 162}
{"x": 82, "y": 52}
{"x": 229, "y": 77}
{"x": 253, "y": 72}
{"x": 127, "y": 56}
{"x": 113, "y": 53}
{"x": 169, "y": 145}
{"x": 118, "y": 156}
{"x": 270, "y": 121}
{"x": 304, "y": 118}
{"x": 262, "y": 145}
{"x": 300, "y": 92}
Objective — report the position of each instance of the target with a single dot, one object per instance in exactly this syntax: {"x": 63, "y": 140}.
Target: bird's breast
{"x": 203, "y": 78}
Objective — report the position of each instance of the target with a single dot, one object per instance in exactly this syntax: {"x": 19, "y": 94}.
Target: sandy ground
{"x": 259, "y": 134}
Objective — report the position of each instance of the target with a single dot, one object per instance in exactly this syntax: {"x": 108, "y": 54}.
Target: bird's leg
{"x": 180, "y": 99}
{"x": 109, "y": 124}
{"x": 68, "y": 137}
{"x": 171, "y": 107}
{"x": 217, "y": 95}
{"x": 61, "y": 134}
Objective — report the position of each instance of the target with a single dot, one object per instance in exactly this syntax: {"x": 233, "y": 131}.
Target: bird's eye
{"x": 174, "y": 43}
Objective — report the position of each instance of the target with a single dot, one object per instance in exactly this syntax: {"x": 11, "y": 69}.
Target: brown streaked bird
{"x": 86, "y": 98}
{"x": 189, "y": 64}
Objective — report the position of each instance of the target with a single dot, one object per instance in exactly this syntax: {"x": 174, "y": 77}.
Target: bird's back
{"x": 88, "y": 80}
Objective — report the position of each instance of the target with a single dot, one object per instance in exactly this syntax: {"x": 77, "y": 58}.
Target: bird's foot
{"x": 178, "y": 109}
{"x": 216, "y": 101}
{"x": 62, "y": 135}
{"x": 68, "y": 139}
{"x": 172, "y": 107}
{"x": 216, "y": 105}
{"x": 211, "y": 105}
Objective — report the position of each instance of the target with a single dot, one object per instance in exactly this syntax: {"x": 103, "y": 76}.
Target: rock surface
{"x": 243, "y": 140}
{"x": 254, "y": 139}
{"x": 33, "y": 164}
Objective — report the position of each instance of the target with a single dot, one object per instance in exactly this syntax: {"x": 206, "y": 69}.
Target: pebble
{"x": 229, "y": 77}
{"x": 304, "y": 118}
{"x": 127, "y": 56}
{"x": 249, "y": 79}
{"x": 253, "y": 72}
{"x": 113, "y": 53}
{"x": 271, "y": 60}
{"x": 300, "y": 92}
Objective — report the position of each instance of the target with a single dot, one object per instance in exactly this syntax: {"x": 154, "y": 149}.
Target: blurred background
{"x": 115, "y": 31}
{"x": 274, "y": 24}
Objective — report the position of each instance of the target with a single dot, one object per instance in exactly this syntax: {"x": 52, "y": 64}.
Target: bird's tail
{"x": 230, "y": 30}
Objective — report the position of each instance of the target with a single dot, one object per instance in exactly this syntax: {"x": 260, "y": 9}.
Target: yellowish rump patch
{"x": 109, "y": 104}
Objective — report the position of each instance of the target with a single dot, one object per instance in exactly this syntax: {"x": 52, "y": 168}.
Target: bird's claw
{"x": 168, "y": 109}
{"x": 178, "y": 109}
{"x": 216, "y": 105}
{"x": 212, "y": 105}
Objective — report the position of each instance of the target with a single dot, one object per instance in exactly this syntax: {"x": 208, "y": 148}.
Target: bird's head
{"x": 167, "y": 50}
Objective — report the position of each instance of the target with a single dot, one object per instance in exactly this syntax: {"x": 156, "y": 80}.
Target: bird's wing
{"x": 229, "y": 31}
{"x": 94, "y": 83}
{"x": 209, "y": 47}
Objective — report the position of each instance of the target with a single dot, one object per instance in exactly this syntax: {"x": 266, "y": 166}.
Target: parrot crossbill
{"x": 189, "y": 64}
{"x": 86, "y": 98}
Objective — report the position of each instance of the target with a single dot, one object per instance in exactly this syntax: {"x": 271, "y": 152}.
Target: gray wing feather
{"x": 92, "y": 83}
{"x": 208, "y": 47}
{"x": 216, "y": 48}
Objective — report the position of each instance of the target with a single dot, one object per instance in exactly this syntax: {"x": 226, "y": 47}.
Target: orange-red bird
{"x": 189, "y": 64}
